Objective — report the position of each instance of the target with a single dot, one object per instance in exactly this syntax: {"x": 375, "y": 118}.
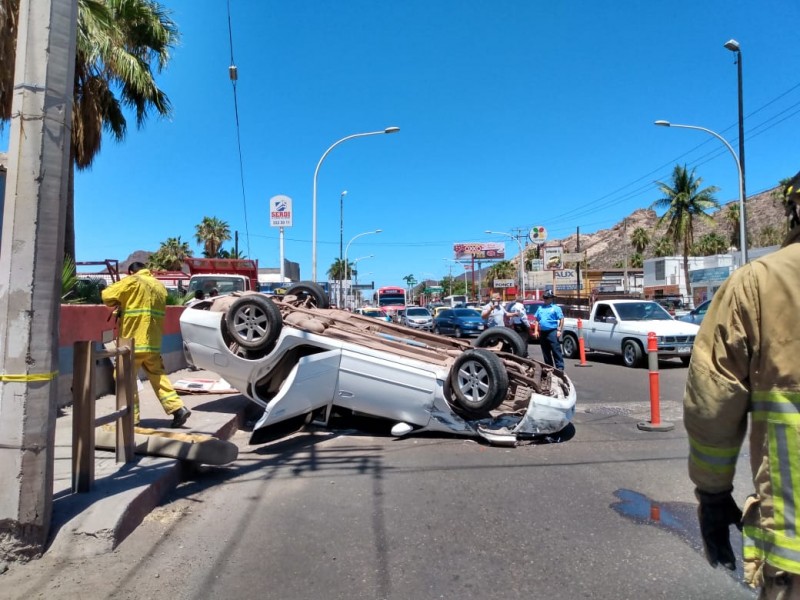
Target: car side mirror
{"x": 612, "y": 320}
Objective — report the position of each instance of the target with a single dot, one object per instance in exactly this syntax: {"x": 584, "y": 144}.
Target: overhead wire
{"x": 233, "y": 74}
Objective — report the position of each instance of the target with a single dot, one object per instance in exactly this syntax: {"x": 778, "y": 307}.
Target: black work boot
{"x": 180, "y": 416}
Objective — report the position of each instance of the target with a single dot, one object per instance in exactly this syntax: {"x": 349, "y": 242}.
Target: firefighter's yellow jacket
{"x": 746, "y": 359}
{"x": 142, "y": 300}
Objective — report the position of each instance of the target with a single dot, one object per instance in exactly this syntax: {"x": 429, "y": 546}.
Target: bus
{"x": 455, "y": 300}
{"x": 391, "y": 299}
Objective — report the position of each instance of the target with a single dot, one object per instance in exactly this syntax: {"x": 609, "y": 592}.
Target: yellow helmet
{"x": 791, "y": 201}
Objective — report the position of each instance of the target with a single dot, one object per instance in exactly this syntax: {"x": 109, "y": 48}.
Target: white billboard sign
{"x": 280, "y": 211}
{"x": 552, "y": 257}
{"x": 504, "y": 283}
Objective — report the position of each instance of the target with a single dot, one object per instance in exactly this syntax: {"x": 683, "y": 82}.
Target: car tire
{"x": 569, "y": 346}
{"x": 509, "y": 339}
{"x": 254, "y": 322}
{"x": 436, "y": 330}
{"x": 686, "y": 360}
{"x": 632, "y": 354}
{"x": 310, "y": 290}
{"x": 478, "y": 382}
{"x": 458, "y": 333}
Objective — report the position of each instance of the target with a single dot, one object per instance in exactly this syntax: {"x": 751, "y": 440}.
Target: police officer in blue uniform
{"x": 549, "y": 322}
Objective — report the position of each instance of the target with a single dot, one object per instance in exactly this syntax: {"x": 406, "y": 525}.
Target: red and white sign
{"x": 479, "y": 250}
{"x": 280, "y": 211}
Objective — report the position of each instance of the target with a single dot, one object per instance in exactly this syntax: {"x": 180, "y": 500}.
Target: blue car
{"x": 696, "y": 316}
{"x": 459, "y": 322}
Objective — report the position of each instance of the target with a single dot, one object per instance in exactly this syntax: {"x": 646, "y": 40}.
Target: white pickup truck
{"x": 621, "y": 326}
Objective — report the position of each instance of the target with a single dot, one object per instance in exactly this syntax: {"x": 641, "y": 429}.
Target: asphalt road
{"x": 606, "y": 514}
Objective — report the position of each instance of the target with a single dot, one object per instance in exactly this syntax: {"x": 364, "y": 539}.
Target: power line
{"x": 233, "y": 74}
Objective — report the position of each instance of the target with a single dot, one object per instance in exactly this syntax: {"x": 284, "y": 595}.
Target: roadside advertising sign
{"x": 280, "y": 211}
{"x": 479, "y": 250}
{"x": 566, "y": 279}
{"x": 553, "y": 258}
{"x": 537, "y": 235}
{"x": 537, "y": 264}
{"x": 540, "y": 280}
{"x": 573, "y": 257}
{"x": 503, "y": 283}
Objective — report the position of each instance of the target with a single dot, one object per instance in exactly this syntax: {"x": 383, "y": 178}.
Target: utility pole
{"x": 625, "y": 242}
{"x": 31, "y": 257}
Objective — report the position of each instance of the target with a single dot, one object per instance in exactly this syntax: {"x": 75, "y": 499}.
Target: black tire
{"x": 632, "y": 354}
{"x": 478, "y": 381}
{"x": 686, "y": 360}
{"x": 569, "y": 346}
{"x": 254, "y": 322}
{"x": 436, "y": 330}
{"x": 458, "y": 333}
{"x": 510, "y": 340}
{"x": 309, "y": 289}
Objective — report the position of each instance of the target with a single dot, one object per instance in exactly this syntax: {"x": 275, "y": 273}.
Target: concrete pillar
{"x": 31, "y": 256}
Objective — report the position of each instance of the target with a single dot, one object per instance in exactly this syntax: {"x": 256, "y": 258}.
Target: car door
{"x": 600, "y": 331}
{"x": 445, "y": 321}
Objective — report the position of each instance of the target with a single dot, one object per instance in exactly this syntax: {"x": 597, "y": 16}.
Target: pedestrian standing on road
{"x": 493, "y": 312}
{"x": 140, "y": 300}
{"x": 519, "y": 319}
{"x": 548, "y": 324}
{"x": 744, "y": 362}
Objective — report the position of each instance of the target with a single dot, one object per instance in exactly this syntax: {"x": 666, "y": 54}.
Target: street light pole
{"x": 742, "y": 224}
{"x": 314, "y": 194}
{"x": 341, "y": 234}
{"x": 733, "y": 46}
{"x": 347, "y": 248}
{"x": 450, "y": 275}
{"x": 521, "y": 258}
{"x": 355, "y": 274}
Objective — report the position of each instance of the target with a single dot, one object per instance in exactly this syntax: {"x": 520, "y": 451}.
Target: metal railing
{"x": 84, "y": 420}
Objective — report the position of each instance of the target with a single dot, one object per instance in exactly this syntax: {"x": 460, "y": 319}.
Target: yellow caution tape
{"x": 23, "y": 378}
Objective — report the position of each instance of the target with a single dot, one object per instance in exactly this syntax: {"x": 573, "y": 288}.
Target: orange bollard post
{"x": 655, "y": 423}
{"x": 581, "y": 345}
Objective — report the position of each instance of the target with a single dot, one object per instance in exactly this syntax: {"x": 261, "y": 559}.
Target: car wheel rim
{"x": 473, "y": 381}
{"x": 250, "y": 323}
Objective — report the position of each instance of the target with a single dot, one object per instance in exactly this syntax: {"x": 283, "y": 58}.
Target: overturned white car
{"x": 294, "y": 356}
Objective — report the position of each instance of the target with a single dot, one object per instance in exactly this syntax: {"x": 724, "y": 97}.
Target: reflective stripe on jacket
{"x": 746, "y": 358}
{"x": 142, "y": 299}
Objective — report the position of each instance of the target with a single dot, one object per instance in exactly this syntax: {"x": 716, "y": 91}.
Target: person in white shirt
{"x": 493, "y": 312}
{"x": 519, "y": 319}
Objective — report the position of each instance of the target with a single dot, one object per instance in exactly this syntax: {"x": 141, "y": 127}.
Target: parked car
{"x": 459, "y": 322}
{"x": 417, "y": 317}
{"x": 300, "y": 360}
{"x": 696, "y": 315}
{"x": 674, "y": 305}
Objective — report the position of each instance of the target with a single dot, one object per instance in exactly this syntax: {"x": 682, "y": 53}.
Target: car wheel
{"x": 310, "y": 290}
{"x": 436, "y": 330}
{"x": 632, "y": 354}
{"x": 479, "y": 382}
{"x": 459, "y": 333}
{"x": 509, "y": 340}
{"x": 254, "y": 322}
{"x": 569, "y": 345}
{"x": 686, "y": 360}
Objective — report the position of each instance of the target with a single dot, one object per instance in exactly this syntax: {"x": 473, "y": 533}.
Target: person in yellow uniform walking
{"x": 141, "y": 301}
{"x": 744, "y": 363}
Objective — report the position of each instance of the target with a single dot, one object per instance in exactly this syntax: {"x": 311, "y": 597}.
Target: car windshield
{"x": 417, "y": 312}
{"x": 642, "y": 311}
{"x": 466, "y": 312}
{"x": 373, "y": 312}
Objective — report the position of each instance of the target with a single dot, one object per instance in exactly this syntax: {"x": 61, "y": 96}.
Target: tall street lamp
{"x": 341, "y": 233}
{"x": 347, "y": 248}
{"x": 742, "y": 223}
{"x": 521, "y": 258}
{"x": 355, "y": 274}
{"x": 733, "y": 46}
{"x": 314, "y": 195}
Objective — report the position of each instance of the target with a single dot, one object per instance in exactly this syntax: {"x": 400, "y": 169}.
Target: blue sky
{"x": 512, "y": 114}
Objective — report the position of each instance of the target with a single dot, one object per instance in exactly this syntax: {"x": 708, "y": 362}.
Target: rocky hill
{"x": 607, "y": 247}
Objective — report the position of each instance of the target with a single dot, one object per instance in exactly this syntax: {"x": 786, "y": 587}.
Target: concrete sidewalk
{"x": 123, "y": 494}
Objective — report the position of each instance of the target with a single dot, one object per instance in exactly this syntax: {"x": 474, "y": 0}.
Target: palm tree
{"x": 501, "y": 270}
{"x": 710, "y": 244}
{"x": 636, "y": 260}
{"x": 664, "y": 247}
{"x": 640, "y": 239}
{"x": 684, "y": 201}
{"x": 211, "y": 233}
{"x": 341, "y": 270}
{"x": 119, "y": 44}
{"x": 170, "y": 255}
{"x": 770, "y": 236}
{"x": 732, "y": 217}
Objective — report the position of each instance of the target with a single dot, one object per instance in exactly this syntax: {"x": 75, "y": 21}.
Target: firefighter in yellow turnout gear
{"x": 745, "y": 361}
{"x": 141, "y": 300}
